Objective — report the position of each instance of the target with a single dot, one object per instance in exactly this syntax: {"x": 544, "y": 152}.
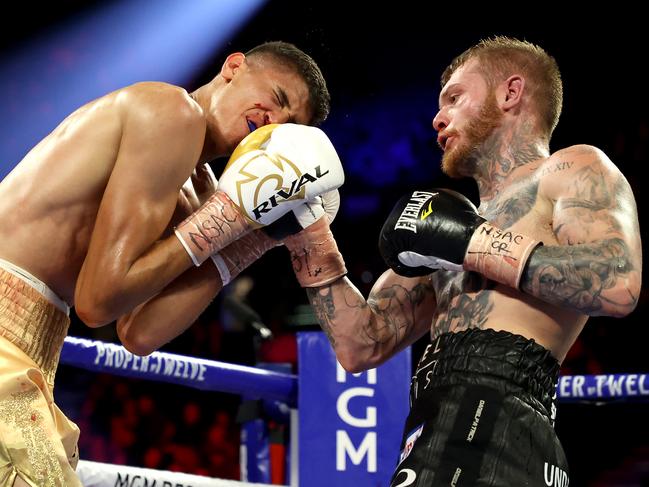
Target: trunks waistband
{"x": 490, "y": 356}
{"x": 32, "y": 322}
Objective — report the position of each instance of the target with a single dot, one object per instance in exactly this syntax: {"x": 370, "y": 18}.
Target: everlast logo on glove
{"x": 408, "y": 218}
{"x": 285, "y": 194}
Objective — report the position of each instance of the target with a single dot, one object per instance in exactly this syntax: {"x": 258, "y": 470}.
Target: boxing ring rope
{"x": 603, "y": 387}
{"x": 208, "y": 375}
{"x": 249, "y": 382}
{"x": 255, "y": 383}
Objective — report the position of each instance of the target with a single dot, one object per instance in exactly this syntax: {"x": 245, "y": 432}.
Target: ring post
{"x": 259, "y": 448}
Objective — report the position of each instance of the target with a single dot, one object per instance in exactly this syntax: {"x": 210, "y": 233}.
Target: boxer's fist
{"x": 441, "y": 229}
{"x": 273, "y": 171}
{"x": 428, "y": 230}
{"x": 277, "y": 168}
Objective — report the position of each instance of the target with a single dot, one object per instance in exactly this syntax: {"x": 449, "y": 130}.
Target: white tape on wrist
{"x": 192, "y": 256}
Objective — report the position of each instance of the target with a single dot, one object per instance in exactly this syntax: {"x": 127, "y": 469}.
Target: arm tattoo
{"x": 594, "y": 200}
{"x": 591, "y": 190}
{"x": 322, "y": 301}
{"x": 578, "y": 276}
{"x": 393, "y": 307}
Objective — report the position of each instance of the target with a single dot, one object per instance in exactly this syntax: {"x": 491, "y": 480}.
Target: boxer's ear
{"x": 233, "y": 63}
{"x": 509, "y": 93}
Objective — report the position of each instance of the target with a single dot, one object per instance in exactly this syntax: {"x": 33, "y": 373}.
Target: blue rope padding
{"x": 199, "y": 373}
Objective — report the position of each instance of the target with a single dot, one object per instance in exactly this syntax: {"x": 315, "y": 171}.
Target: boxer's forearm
{"x": 365, "y": 333}
{"x": 171, "y": 312}
{"x": 101, "y": 296}
{"x": 178, "y": 305}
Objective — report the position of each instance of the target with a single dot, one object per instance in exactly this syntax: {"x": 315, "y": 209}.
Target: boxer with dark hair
{"x": 87, "y": 220}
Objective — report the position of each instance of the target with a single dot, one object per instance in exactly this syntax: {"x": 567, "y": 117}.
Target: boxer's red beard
{"x": 460, "y": 161}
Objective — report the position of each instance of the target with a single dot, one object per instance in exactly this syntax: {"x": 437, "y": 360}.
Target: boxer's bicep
{"x": 596, "y": 267}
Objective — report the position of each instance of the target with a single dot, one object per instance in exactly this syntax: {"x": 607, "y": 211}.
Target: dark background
{"x": 383, "y": 65}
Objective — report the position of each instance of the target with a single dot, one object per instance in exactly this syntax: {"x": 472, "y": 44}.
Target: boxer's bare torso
{"x": 570, "y": 198}
{"x": 49, "y": 203}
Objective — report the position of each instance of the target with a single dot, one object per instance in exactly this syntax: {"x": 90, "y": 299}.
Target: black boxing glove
{"x": 441, "y": 229}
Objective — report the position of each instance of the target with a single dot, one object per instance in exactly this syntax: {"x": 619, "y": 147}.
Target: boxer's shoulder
{"x": 153, "y": 99}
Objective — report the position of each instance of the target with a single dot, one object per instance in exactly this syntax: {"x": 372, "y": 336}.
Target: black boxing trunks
{"x": 482, "y": 414}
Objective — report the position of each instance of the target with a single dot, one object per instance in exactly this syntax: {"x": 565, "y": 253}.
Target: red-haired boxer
{"x": 501, "y": 309}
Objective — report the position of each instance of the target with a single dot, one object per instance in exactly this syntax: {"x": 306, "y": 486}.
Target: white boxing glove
{"x": 305, "y": 215}
{"x": 274, "y": 170}
{"x": 278, "y": 167}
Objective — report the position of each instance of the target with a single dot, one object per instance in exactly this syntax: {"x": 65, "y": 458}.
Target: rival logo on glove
{"x": 295, "y": 191}
{"x": 266, "y": 177}
{"x": 410, "y": 214}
